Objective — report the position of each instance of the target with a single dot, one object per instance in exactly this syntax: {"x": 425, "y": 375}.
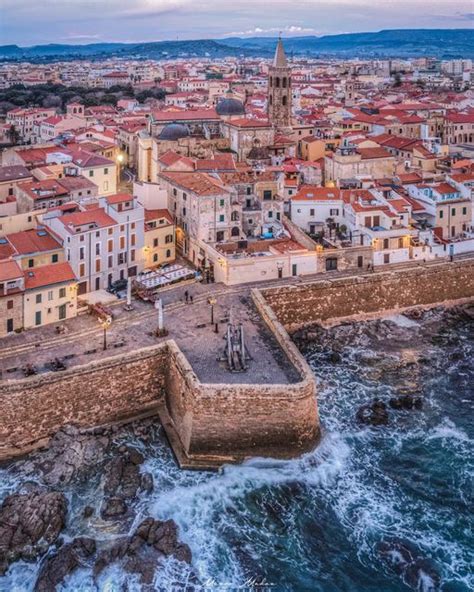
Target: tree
{"x": 13, "y": 135}
{"x": 397, "y": 80}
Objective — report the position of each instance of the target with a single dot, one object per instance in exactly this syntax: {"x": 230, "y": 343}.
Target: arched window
{"x": 235, "y": 231}
{"x": 277, "y": 82}
{"x": 271, "y": 81}
{"x": 284, "y": 101}
{"x": 283, "y": 82}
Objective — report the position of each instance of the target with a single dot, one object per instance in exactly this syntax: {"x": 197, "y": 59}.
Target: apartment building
{"x": 159, "y": 238}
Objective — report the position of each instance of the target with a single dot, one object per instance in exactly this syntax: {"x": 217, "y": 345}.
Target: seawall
{"x": 375, "y": 294}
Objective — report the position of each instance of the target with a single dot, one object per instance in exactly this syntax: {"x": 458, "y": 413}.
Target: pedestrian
{"x": 191, "y": 298}
{"x": 186, "y": 296}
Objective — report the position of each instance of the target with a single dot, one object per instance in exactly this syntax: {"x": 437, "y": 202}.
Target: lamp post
{"x": 212, "y": 301}
{"x": 105, "y": 323}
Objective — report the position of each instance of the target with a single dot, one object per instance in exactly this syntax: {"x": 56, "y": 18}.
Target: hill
{"x": 441, "y": 43}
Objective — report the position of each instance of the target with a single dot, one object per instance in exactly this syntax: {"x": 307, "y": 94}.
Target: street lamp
{"x": 105, "y": 323}
{"x": 212, "y": 301}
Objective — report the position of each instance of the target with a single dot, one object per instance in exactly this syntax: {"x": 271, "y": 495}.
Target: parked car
{"x": 117, "y": 286}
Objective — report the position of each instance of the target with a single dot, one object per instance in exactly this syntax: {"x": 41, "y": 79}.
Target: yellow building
{"x": 50, "y": 295}
{"x": 159, "y": 238}
{"x": 453, "y": 217}
{"x": 32, "y": 248}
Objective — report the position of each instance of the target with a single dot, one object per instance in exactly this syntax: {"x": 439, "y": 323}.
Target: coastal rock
{"x": 406, "y": 402}
{"x": 404, "y": 559}
{"x": 123, "y": 481}
{"x": 69, "y": 557}
{"x": 70, "y": 456}
{"x": 142, "y": 552}
{"x": 374, "y": 413}
{"x": 29, "y": 524}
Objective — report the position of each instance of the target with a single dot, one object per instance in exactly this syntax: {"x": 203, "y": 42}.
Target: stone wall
{"x": 372, "y": 294}
{"x": 225, "y": 422}
{"x": 116, "y": 389}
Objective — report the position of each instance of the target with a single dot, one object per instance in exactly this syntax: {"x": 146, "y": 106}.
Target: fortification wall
{"x": 232, "y": 421}
{"x": 116, "y": 389}
{"x": 371, "y": 294}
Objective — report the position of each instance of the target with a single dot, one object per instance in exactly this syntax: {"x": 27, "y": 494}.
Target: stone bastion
{"x": 211, "y": 424}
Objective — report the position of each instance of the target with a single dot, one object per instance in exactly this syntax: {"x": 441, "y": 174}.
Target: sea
{"x": 372, "y": 509}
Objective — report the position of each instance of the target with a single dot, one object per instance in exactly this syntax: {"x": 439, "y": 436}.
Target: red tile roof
{"x": 47, "y": 275}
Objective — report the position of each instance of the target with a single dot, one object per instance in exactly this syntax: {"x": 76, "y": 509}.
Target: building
{"x": 50, "y": 295}
{"x": 12, "y": 287}
{"x": 159, "y": 238}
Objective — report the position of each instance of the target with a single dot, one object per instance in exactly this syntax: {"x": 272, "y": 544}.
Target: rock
{"x": 142, "y": 552}
{"x": 113, "y": 507}
{"x": 374, "y": 413}
{"x": 29, "y": 524}
{"x": 404, "y": 559}
{"x": 88, "y": 512}
{"x": 406, "y": 402}
{"x": 335, "y": 357}
{"x": 69, "y": 557}
{"x": 123, "y": 481}
{"x": 70, "y": 456}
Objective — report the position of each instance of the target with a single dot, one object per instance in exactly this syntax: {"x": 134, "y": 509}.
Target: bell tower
{"x": 279, "y": 89}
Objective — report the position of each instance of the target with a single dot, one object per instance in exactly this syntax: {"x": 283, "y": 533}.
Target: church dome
{"x": 230, "y": 106}
{"x": 174, "y": 131}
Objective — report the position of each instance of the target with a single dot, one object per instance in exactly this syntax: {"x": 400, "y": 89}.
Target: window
{"x": 155, "y": 242}
{"x": 386, "y": 258}
{"x": 50, "y": 295}
{"x": 110, "y": 245}
{"x": 441, "y": 214}
{"x": 62, "y": 311}
{"x": 464, "y": 211}
{"x": 38, "y": 298}
{"x": 385, "y": 243}
{"x": 453, "y": 211}
{"x": 221, "y": 203}
{"x": 106, "y": 171}
{"x": 10, "y": 304}
{"x": 168, "y": 254}
{"x": 334, "y": 212}
{"x": 133, "y": 239}
{"x": 221, "y": 218}
{"x": 168, "y": 238}
{"x": 38, "y": 317}
{"x": 91, "y": 173}
{"x": 267, "y": 194}
{"x": 31, "y": 262}
{"x": 132, "y": 255}
{"x": 270, "y": 214}
{"x": 81, "y": 253}
{"x": 54, "y": 258}
{"x": 155, "y": 258}
{"x": 110, "y": 261}
{"x": 122, "y": 242}
{"x": 311, "y": 212}
{"x": 62, "y": 292}
{"x": 97, "y": 265}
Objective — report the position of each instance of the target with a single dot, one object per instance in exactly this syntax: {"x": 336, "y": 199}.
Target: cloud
{"x": 79, "y": 37}
{"x": 288, "y": 29}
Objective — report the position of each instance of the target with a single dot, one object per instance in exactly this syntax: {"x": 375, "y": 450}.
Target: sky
{"x": 31, "y": 22}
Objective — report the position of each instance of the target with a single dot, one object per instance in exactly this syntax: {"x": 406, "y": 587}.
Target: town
{"x": 227, "y": 171}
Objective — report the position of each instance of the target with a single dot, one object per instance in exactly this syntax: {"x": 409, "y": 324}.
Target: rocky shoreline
{"x": 33, "y": 519}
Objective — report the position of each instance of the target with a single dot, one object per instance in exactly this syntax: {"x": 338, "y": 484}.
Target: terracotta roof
{"x": 14, "y": 173}
{"x": 47, "y": 275}
{"x": 95, "y": 216}
{"x": 157, "y": 214}
{"x": 369, "y": 153}
{"x": 199, "y": 183}
{"x": 312, "y": 192}
{"x": 119, "y": 198}
{"x": 33, "y": 241}
{"x": 9, "y": 270}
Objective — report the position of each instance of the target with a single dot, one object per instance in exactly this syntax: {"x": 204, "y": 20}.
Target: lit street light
{"x": 212, "y": 301}
{"x": 105, "y": 323}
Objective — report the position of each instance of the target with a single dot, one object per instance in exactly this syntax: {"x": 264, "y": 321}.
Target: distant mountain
{"x": 441, "y": 43}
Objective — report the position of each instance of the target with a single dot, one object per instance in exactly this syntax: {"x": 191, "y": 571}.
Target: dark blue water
{"x": 383, "y": 509}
